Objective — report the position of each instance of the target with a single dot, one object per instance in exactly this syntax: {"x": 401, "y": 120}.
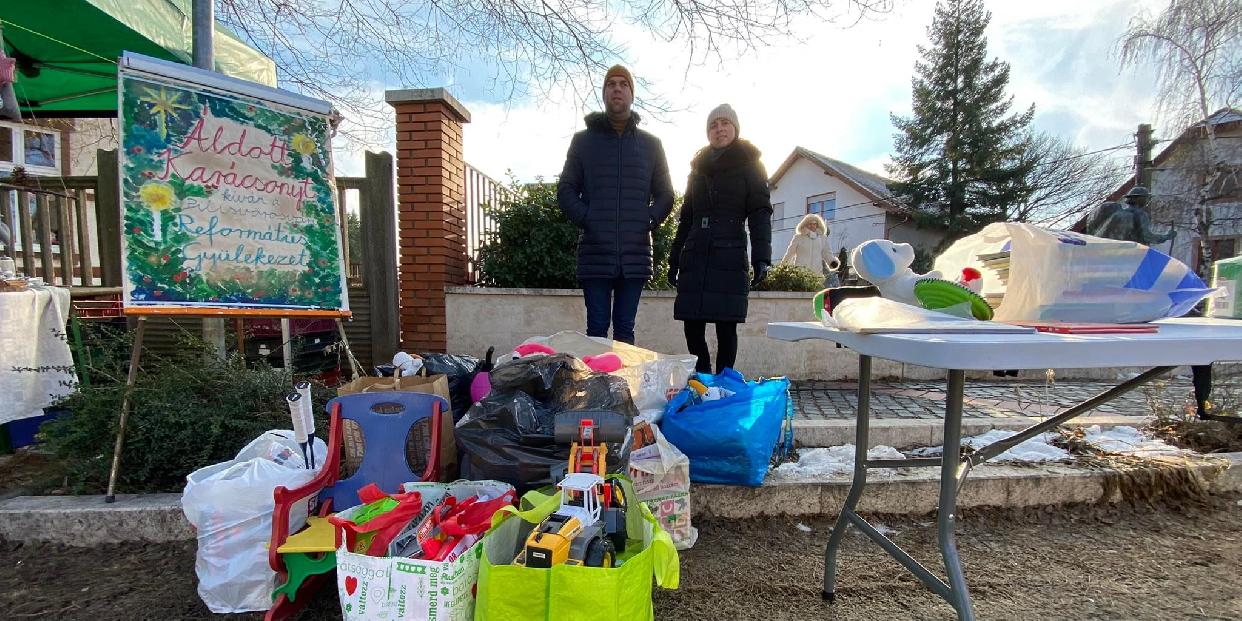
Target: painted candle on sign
{"x": 228, "y": 200}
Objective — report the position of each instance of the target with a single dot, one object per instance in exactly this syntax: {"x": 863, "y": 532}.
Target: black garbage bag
{"x": 510, "y": 435}
{"x": 459, "y": 370}
{"x": 542, "y": 377}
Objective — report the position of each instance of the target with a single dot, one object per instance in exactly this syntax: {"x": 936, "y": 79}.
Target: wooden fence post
{"x": 378, "y": 209}
{"x": 108, "y": 217}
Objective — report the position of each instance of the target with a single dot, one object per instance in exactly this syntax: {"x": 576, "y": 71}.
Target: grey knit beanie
{"x": 724, "y": 111}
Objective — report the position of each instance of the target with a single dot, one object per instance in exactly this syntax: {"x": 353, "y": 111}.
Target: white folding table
{"x": 1187, "y": 341}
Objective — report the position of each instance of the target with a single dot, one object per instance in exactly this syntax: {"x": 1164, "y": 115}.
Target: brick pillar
{"x": 431, "y": 215}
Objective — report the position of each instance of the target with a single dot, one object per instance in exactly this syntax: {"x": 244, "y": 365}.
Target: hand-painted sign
{"x": 228, "y": 199}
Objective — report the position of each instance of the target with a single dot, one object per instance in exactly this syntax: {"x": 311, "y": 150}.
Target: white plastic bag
{"x": 649, "y": 374}
{"x": 884, "y": 315}
{"x": 1065, "y": 276}
{"x": 230, "y": 504}
{"x": 661, "y": 475}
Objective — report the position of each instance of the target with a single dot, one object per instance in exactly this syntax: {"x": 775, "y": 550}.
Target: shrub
{"x": 189, "y": 409}
{"x": 536, "y": 246}
{"x": 661, "y": 245}
{"x": 923, "y": 261}
{"x": 785, "y": 277}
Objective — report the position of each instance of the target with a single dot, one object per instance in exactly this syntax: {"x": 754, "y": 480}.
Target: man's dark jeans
{"x": 615, "y": 301}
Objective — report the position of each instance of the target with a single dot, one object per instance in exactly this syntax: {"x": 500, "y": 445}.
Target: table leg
{"x": 946, "y": 513}
{"x": 861, "y": 428}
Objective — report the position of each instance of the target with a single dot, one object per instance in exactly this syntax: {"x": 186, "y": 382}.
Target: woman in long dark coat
{"x": 727, "y": 193}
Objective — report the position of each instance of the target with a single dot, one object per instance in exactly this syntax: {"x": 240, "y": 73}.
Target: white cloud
{"x": 833, "y": 87}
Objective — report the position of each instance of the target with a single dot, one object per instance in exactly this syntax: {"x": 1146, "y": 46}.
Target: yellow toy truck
{"x": 585, "y": 530}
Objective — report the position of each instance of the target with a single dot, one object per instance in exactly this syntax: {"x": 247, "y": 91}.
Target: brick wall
{"x": 431, "y": 217}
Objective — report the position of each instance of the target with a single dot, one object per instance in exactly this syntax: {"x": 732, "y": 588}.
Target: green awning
{"x": 66, "y": 50}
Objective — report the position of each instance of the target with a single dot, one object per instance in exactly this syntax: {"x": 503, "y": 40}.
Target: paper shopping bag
{"x": 429, "y": 384}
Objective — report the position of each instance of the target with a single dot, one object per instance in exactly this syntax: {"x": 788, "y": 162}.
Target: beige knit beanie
{"x": 724, "y": 111}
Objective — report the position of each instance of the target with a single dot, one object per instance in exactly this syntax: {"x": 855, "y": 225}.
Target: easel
{"x": 142, "y": 312}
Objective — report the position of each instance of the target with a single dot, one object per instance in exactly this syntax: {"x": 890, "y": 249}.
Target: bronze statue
{"x": 1128, "y": 222}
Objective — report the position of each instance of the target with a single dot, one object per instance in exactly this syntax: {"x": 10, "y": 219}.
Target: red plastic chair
{"x": 385, "y": 419}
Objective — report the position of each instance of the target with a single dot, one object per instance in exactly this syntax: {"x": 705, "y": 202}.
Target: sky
{"x": 830, "y": 88}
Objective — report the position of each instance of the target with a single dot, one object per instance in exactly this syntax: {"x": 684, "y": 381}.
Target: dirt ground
{"x": 30, "y": 473}
{"x": 1168, "y": 561}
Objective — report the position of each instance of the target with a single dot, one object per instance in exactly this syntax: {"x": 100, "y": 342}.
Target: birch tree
{"x": 1196, "y": 48}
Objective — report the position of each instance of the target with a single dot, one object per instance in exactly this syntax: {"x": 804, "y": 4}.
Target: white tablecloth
{"x": 36, "y": 366}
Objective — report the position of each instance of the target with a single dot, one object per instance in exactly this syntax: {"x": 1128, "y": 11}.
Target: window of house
{"x": 825, "y": 205}
{"x": 34, "y": 148}
{"x": 6, "y": 144}
{"x": 40, "y": 148}
{"x": 1224, "y": 248}
{"x": 780, "y": 221}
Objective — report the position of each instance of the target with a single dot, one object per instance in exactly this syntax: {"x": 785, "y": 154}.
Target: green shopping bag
{"x": 507, "y": 592}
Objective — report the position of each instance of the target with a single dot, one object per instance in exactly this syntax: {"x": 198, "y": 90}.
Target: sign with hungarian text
{"x": 228, "y": 200}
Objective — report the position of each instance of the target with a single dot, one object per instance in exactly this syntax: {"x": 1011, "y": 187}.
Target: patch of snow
{"x": 884, "y": 452}
{"x": 884, "y": 530}
{"x": 1128, "y": 441}
{"x": 819, "y": 463}
{"x": 1037, "y": 449}
{"x": 803, "y": 527}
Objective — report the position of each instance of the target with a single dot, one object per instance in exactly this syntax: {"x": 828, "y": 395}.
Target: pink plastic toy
{"x": 481, "y": 385}
{"x": 607, "y": 362}
{"x": 526, "y": 349}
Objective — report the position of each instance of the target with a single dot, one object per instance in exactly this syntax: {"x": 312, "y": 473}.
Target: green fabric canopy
{"x": 66, "y": 50}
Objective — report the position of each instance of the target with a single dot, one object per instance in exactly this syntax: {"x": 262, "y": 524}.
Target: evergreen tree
{"x": 961, "y": 158}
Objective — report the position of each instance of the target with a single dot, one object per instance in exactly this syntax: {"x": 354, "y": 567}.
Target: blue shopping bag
{"x": 730, "y": 441}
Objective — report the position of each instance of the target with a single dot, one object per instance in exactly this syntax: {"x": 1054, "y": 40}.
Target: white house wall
{"x": 854, "y": 223}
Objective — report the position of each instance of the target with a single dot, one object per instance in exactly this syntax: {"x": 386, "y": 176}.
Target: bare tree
{"x": 343, "y": 51}
{"x": 1068, "y": 181}
{"x": 1196, "y": 47}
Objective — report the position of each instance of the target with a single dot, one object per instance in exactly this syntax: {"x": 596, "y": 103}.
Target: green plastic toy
{"x": 938, "y": 293}
{"x": 818, "y": 302}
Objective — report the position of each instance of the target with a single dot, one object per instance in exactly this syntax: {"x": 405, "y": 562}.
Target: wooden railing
{"x": 52, "y": 227}
{"x": 65, "y": 230}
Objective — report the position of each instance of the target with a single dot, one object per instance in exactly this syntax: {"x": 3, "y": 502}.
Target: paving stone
{"x": 820, "y": 400}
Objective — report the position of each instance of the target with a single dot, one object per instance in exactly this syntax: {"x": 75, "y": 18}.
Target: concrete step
{"x": 88, "y": 521}
{"x": 906, "y": 433}
{"x": 915, "y": 490}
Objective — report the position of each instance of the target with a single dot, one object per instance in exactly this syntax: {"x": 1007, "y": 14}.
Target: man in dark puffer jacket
{"x": 616, "y": 188}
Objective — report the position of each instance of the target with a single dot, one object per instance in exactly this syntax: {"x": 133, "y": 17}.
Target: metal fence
{"x": 482, "y": 193}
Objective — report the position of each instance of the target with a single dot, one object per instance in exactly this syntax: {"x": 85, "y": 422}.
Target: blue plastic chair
{"x": 385, "y": 419}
